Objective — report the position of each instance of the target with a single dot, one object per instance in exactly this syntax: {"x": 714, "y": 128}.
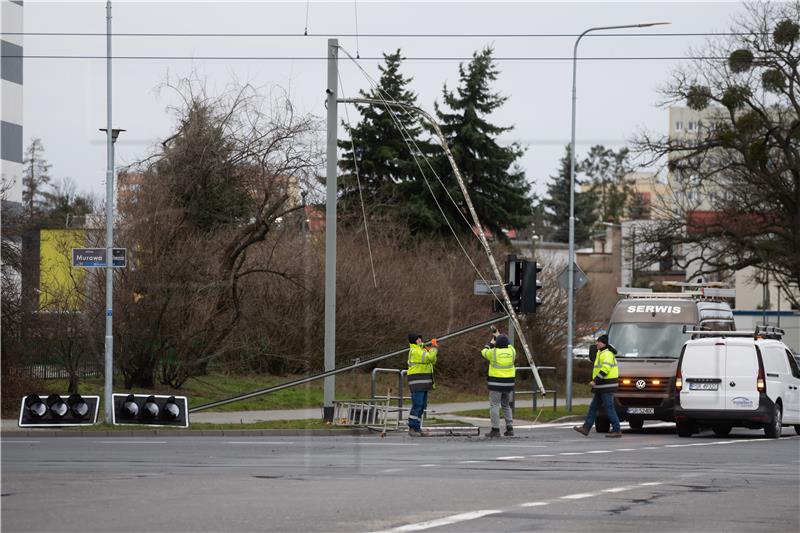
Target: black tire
{"x": 685, "y": 429}
{"x": 602, "y": 425}
{"x": 636, "y": 423}
{"x": 797, "y": 428}
{"x": 775, "y": 426}
{"x": 721, "y": 430}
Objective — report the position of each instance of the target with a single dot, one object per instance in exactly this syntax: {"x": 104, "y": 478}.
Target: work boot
{"x": 493, "y": 434}
{"x": 414, "y": 432}
{"x": 509, "y": 431}
{"x": 613, "y": 434}
{"x": 583, "y": 430}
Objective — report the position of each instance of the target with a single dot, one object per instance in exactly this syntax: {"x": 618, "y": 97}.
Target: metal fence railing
{"x": 55, "y": 371}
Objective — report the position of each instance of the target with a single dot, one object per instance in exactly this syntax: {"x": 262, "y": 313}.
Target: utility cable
{"x": 358, "y": 180}
{"x": 379, "y": 35}
{"x": 372, "y": 58}
{"x": 305, "y": 31}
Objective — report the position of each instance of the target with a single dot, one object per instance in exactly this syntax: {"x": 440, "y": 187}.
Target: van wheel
{"x": 797, "y": 428}
{"x": 773, "y": 429}
{"x": 602, "y": 425}
{"x": 685, "y": 429}
{"x": 636, "y": 424}
{"x": 721, "y": 430}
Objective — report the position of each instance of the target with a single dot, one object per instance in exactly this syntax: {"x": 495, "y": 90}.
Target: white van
{"x": 726, "y": 379}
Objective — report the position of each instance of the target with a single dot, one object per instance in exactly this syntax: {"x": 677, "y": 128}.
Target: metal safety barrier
{"x": 535, "y": 388}
{"x": 371, "y": 413}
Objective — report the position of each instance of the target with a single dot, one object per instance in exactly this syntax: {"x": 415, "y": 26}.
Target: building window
{"x": 679, "y": 125}
{"x": 690, "y": 126}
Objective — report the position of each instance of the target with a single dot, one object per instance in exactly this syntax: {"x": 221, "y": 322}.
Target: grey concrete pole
{"x": 109, "y": 344}
{"x": 330, "y": 233}
{"x": 571, "y": 264}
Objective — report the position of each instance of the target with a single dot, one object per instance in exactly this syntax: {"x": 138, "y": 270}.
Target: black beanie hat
{"x": 412, "y": 338}
{"x": 502, "y": 341}
{"x": 603, "y": 339}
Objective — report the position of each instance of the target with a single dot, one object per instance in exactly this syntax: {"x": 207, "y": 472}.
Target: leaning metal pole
{"x": 482, "y": 237}
{"x": 359, "y": 363}
{"x": 330, "y": 234}
{"x": 109, "y": 344}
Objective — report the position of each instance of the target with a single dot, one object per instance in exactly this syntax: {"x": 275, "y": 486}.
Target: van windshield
{"x": 647, "y": 340}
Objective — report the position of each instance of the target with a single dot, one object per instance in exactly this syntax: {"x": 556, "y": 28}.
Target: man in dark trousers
{"x": 421, "y": 359}
{"x": 605, "y": 382}
{"x": 502, "y": 373}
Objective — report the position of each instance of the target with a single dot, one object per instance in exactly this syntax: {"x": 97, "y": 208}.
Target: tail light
{"x": 761, "y": 380}
{"x": 678, "y": 378}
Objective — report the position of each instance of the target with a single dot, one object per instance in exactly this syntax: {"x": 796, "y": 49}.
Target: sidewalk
{"x": 437, "y": 410}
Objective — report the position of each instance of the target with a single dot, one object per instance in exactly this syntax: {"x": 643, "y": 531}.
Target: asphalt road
{"x": 546, "y": 479}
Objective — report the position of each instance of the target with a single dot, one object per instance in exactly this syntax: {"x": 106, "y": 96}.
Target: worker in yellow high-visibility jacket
{"x": 605, "y": 382}
{"x": 502, "y": 374}
{"x": 421, "y": 359}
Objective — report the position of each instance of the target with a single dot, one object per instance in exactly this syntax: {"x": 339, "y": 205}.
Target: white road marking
{"x": 454, "y": 519}
{"x": 625, "y": 450}
{"x": 571, "y": 453}
{"x": 616, "y": 489}
{"x": 387, "y": 444}
{"x": 390, "y": 470}
{"x": 651, "y": 484}
{"x": 20, "y": 441}
{"x": 430, "y": 464}
{"x": 649, "y": 448}
{"x": 542, "y": 455}
{"x": 117, "y": 441}
{"x": 520, "y": 446}
{"x": 534, "y": 504}
{"x": 510, "y": 457}
{"x": 601, "y": 451}
{"x": 469, "y": 462}
{"x": 257, "y": 442}
{"x": 677, "y": 445}
{"x": 579, "y": 496}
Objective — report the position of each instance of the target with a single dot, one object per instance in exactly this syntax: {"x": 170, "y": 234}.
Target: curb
{"x": 49, "y": 432}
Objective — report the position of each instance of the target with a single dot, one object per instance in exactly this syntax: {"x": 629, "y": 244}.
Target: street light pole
{"x": 109, "y": 344}
{"x": 571, "y": 265}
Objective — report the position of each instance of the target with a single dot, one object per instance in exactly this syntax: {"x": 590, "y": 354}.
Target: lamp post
{"x": 109, "y": 344}
{"x": 570, "y": 266}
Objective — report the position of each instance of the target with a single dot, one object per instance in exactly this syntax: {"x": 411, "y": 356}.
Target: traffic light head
{"x": 529, "y": 298}
{"x": 57, "y": 410}
{"x": 150, "y": 409}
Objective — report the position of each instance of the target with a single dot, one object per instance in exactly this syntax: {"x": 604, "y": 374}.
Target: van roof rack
{"x": 761, "y": 332}
{"x": 703, "y": 293}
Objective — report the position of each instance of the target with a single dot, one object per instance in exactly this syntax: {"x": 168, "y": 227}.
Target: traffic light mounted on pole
{"x": 522, "y": 284}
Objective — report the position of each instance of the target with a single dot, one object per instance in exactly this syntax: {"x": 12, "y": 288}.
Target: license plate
{"x": 641, "y": 410}
{"x": 703, "y": 386}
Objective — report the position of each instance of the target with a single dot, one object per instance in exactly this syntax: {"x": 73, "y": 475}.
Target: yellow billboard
{"x": 61, "y": 287}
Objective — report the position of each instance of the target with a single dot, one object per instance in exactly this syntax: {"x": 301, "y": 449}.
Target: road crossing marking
{"x": 131, "y": 441}
{"x": 579, "y": 496}
{"x": 390, "y": 470}
{"x": 625, "y": 450}
{"x": 257, "y": 442}
{"x": 429, "y": 465}
{"x": 601, "y": 451}
{"x": 617, "y": 489}
{"x": 510, "y": 457}
{"x": 463, "y": 517}
{"x": 571, "y": 453}
{"x": 446, "y": 521}
{"x": 469, "y": 462}
{"x": 542, "y": 455}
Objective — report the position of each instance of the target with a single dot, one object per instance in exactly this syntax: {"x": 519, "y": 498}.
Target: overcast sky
{"x": 65, "y": 99}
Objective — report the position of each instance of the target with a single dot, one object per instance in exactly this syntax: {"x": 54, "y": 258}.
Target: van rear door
{"x": 702, "y": 369}
{"x": 741, "y": 377}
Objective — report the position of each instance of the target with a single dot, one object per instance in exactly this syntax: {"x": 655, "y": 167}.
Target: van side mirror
{"x": 592, "y": 352}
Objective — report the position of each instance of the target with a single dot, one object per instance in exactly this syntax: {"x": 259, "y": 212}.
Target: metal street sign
{"x": 96, "y": 257}
{"x": 579, "y": 278}
{"x": 486, "y": 287}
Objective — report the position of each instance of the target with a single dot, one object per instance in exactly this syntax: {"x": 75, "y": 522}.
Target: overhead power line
{"x": 379, "y": 35}
{"x": 381, "y": 58}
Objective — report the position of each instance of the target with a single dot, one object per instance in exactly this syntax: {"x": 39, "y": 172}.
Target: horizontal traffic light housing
{"x": 56, "y": 410}
{"x": 150, "y": 409}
